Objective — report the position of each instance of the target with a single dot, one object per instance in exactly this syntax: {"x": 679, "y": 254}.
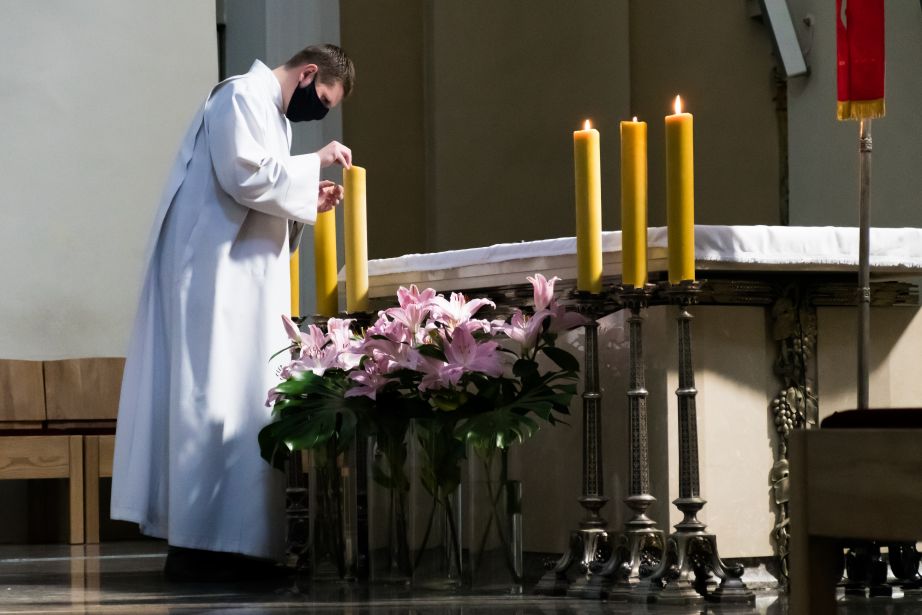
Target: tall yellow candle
{"x": 356, "y": 236}
{"x": 325, "y": 269}
{"x": 634, "y": 203}
{"x": 294, "y": 272}
{"x": 680, "y": 194}
{"x": 588, "y": 175}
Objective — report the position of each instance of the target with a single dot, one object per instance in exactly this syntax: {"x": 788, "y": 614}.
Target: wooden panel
{"x": 106, "y": 455}
{"x": 34, "y": 457}
{"x": 864, "y": 483}
{"x": 91, "y": 490}
{"x": 20, "y": 425}
{"x": 83, "y": 389}
{"x": 84, "y": 426}
{"x": 848, "y": 483}
{"x": 75, "y": 452}
{"x": 22, "y": 392}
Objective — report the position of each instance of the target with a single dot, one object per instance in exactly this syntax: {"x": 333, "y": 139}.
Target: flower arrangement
{"x": 463, "y": 381}
{"x": 471, "y": 380}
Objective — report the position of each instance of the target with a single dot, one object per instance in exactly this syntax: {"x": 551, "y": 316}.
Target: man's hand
{"x": 334, "y": 151}
{"x": 329, "y": 196}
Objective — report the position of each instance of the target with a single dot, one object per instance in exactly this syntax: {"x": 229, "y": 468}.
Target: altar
{"x": 775, "y": 326}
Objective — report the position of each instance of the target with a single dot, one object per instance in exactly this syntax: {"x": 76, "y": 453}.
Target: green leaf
{"x": 562, "y": 358}
{"x": 432, "y": 351}
{"x": 497, "y": 429}
{"x": 523, "y": 368}
{"x": 281, "y": 351}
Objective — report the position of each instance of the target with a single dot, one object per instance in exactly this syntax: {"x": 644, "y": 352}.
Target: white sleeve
{"x": 284, "y": 187}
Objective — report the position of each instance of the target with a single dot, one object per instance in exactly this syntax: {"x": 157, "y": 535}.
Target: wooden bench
{"x": 81, "y": 395}
{"x": 850, "y": 482}
{"x": 57, "y": 420}
{"x": 28, "y": 450}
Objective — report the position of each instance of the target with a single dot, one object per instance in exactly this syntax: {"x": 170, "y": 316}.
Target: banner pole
{"x": 864, "y": 273}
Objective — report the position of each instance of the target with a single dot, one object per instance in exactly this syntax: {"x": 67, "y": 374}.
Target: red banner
{"x": 860, "y": 51}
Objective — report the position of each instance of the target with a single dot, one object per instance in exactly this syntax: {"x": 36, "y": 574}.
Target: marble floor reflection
{"x": 126, "y": 578}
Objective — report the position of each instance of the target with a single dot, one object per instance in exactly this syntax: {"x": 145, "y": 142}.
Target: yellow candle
{"x": 588, "y": 177}
{"x": 294, "y": 272}
{"x": 356, "y": 239}
{"x": 325, "y": 266}
{"x": 680, "y": 194}
{"x": 634, "y": 203}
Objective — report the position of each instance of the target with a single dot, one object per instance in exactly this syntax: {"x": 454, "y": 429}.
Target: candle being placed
{"x": 294, "y": 274}
{"x": 634, "y": 203}
{"x": 356, "y": 236}
{"x": 680, "y": 194}
{"x": 588, "y": 176}
{"x": 325, "y": 268}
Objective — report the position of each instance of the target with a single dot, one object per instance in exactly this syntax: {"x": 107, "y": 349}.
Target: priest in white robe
{"x": 187, "y": 466}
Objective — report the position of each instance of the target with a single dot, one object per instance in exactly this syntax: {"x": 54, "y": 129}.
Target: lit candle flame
{"x": 587, "y": 125}
{"x": 635, "y": 118}
{"x": 678, "y": 105}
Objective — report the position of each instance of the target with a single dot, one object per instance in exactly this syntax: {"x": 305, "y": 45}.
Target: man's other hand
{"x": 329, "y": 196}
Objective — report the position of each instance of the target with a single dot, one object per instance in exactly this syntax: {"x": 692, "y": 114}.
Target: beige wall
{"x": 720, "y": 61}
{"x": 464, "y": 114}
{"x": 895, "y": 378}
{"x": 384, "y": 121}
{"x": 510, "y": 82}
{"x": 94, "y": 105}
{"x": 465, "y": 110}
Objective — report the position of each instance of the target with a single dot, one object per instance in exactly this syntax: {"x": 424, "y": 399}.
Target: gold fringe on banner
{"x": 860, "y": 109}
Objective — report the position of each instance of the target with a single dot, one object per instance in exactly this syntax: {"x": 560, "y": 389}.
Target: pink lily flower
{"x": 563, "y": 319}
{"x": 412, "y": 316}
{"x": 544, "y": 291}
{"x": 339, "y": 332}
{"x": 438, "y": 374}
{"x": 457, "y": 310}
{"x": 313, "y": 341}
{"x": 291, "y": 329}
{"x": 318, "y": 362}
{"x": 524, "y": 329}
{"x": 370, "y": 380}
{"x": 272, "y": 397}
{"x": 412, "y": 296}
{"x": 463, "y": 352}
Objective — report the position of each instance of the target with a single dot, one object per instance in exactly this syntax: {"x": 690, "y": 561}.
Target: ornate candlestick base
{"x": 638, "y": 550}
{"x": 690, "y": 550}
{"x": 589, "y": 546}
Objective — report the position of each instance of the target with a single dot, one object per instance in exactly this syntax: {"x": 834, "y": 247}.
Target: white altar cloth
{"x": 894, "y": 251}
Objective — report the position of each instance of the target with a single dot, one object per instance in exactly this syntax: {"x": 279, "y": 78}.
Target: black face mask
{"x": 305, "y": 105}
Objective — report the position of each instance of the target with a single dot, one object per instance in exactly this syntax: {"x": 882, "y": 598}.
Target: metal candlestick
{"x": 690, "y": 550}
{"x": 589, "y": 545}
{"x": 641, "y": 544}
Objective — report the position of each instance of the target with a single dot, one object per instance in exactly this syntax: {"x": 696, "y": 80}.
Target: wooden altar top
{"x": 894, "y": 252}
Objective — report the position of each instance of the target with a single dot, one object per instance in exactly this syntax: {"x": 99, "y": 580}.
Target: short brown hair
{"x": 332, "y": 63}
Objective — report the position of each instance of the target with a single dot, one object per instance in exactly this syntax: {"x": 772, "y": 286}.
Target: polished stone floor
{"x": 127, "y": 578}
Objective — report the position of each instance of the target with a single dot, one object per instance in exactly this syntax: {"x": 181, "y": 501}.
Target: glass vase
{"x": 332, "y": 514}
{"x": 389, "y": 513}
{"x": 437, "y": 527}
{"x": 493, "y": 507}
